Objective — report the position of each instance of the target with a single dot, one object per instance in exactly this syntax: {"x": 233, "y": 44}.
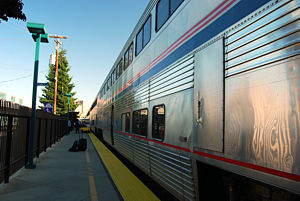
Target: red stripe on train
{"x": 251, "y": 166}
{"x": 220, "y": 158}
{"x": 155, "y": 141}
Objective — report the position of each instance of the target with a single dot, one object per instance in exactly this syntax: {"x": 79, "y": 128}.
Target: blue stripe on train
{"x": 236, "y": 13}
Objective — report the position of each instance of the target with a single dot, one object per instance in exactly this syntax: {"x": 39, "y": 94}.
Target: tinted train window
{"x": 113, "y": 76}
{"x": 139, "y": 42}
{"x": 144, "y": 122}
{"x": 164, "y": 9}
{"x": 117, "y": 72}
{"x": 125, "y": 122}
{"x": 175, "y": 4}
{"x": 143, "y": 37}
{"x": 128, "y": 56}
{"x": 147, "y": 32}
{"x": 135, "y": 122}
{"x": 119, "y": 69}
{"x": 162, "y": 13}
{"x": 158, "y": 122}
{"x": 140, "y": 122}
{"x": 126, "y": 59}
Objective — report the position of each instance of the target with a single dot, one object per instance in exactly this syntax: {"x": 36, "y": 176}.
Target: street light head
{"x": 44, "y": 37}
{"x": 69, "y": 95}
{"x": 37, "y": 28}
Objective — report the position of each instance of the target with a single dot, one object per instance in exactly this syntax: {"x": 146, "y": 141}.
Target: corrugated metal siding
{"x": 175, "y": 78}
{"x": 138, "y": 155}
{"x": 123, "y": 145}
{"x": 139, "y": 95}
{"x": 141, "y": 154}
{"x": 174, "y": 170}
{"x": 271, "y": 37}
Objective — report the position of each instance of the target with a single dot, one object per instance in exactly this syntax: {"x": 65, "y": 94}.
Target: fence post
{"x": 51, "y": 132}
{"x": 27, "y": 140}
{"x": 56, "y": 130}
{"x": 59, "y": 130}
{"x": 65, "y": 128}
{"x": 46, "y": 131}
{"x": 8, "y": 149}
{"x": 59, "y": 121}
{"x": 39, "y": 139}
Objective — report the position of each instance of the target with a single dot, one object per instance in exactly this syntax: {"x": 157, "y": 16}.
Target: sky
{"x": 96, "y": 29}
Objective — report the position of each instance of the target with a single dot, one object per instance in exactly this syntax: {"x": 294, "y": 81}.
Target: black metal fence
{"x": 14, "y": 135}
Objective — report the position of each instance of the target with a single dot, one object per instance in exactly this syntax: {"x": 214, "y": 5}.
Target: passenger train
{"x": 205, "y": 99}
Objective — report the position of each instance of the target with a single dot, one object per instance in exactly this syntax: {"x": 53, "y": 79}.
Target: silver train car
{"x": 205, "y": 99}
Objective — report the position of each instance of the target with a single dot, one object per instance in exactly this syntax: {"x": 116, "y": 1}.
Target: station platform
{"x": 95, "y": 174}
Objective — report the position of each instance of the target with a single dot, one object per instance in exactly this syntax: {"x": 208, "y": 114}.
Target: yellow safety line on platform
{"x": 130, "y": 187}
{"x": 93, "y": 191}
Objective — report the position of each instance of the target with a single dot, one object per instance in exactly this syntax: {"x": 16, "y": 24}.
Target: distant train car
{"x": 205, "y": 99}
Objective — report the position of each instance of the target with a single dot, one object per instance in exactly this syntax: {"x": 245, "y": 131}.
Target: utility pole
{"x": 56, "y": 65}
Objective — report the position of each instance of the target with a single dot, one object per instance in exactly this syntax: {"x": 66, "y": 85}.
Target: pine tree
{"x": 64, "y": 86}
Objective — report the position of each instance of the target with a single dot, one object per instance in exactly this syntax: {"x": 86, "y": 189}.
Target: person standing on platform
{"x": 69, "y": 126}
{"x": 77, "y": 125}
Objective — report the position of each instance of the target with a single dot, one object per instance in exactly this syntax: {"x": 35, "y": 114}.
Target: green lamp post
{"x": 39, "y": 35}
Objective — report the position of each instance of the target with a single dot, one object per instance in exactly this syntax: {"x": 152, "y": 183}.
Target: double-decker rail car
{"x": 205, "y": 99}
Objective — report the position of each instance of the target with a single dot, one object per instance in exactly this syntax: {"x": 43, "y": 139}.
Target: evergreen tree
{"x": 64, "y": 86}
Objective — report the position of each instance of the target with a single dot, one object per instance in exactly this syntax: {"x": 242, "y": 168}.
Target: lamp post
{"x": 39, "y": 34}
{"x": 69, "y": 96}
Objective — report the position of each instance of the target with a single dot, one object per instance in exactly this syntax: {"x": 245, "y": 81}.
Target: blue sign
{"x": 48, "y": 107}
{"x": 43, "y": 84}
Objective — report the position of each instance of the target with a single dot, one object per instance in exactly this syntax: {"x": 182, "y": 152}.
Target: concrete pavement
{"x": 62, "y": 175}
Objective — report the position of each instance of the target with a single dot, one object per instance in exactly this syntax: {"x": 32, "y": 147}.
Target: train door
{"x": 112, "y": 125}
{"x": 209, "y": 98}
